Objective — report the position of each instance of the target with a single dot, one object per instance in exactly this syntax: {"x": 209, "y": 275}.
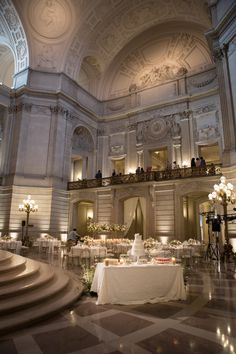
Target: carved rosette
{"x": 157, "y": 128}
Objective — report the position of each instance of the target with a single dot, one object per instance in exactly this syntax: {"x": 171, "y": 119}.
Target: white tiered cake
{"x": 137, "y": 247}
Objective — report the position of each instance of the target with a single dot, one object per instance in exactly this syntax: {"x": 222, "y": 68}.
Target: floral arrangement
{"x": 98, "y": 227}
{"x": 149, "y": 243}
{"x": 88, "y": 241}
{"x": 192, "y": 241}
{"x": 87, "y": 277}
{"x": 5, "y": 238}
{"x": 48, "y": 237}
{"x": 175, "y": 243}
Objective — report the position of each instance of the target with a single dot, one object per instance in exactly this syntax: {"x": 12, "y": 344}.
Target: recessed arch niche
{"x": 82, "y": 154}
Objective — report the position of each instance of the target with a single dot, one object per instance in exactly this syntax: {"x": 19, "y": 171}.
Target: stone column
{"x": 221, "y": 60}
{"x": 131, "y": 161}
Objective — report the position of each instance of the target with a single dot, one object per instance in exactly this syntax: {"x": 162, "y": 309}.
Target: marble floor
{"x": 204, "y": 323}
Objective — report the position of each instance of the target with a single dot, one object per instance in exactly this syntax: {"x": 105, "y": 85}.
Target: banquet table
{"x": 138, "y": 284}
{"x": 48, "y": 245}
{"x": 12, "y": 246}
{"x": 81, "y": 251}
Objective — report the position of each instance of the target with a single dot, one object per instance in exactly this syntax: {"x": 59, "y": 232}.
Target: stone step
{"x": 29, "y": 267}
{"x": 14, "y": 263}
{"x": 5, "y": 256}
{"x": 34, "y": 296}
{"x": 33, "y": 292}
{"x": 29, "y": 282}
{"x": 25, "y": 317}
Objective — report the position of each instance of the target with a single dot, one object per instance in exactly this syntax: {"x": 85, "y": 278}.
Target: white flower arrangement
{"x": 87, "y": 277}
{"x": 6, "y": 238}
{"x": 175, "y": 243}
{"x": 98, "y": 227}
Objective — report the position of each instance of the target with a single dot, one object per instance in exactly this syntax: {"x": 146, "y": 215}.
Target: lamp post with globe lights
{"x": 223, "y": 194}
{"x": 28, "y": 206}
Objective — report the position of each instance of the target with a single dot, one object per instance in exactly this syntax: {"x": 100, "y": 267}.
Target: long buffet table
{"x": 138, "y": 284}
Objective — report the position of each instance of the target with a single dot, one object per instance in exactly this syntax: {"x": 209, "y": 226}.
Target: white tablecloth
{"x": 88, "y": 252}
{"x": 138, "y": 284}
{"x": 49, "y": 245}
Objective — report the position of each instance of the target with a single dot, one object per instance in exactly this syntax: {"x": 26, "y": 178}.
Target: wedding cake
{"x": 137, "y": 247}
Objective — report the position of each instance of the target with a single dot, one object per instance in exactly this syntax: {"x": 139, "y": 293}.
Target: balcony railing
{"x": 171, "y": 174}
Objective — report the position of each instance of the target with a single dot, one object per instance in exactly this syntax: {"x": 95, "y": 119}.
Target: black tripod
{"x": 213, "y": 250}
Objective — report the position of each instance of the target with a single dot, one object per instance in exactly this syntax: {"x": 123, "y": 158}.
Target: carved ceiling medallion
{"x": 49, "y": 18}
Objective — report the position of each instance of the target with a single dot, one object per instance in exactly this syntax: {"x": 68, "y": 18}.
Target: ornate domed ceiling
{"x": 112, "y": 46}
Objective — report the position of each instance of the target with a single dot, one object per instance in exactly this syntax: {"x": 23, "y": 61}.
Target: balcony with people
{"x": 170, "y": 173}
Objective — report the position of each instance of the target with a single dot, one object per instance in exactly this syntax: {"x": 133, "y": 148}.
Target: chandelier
{"x": 27, "y": 206}
{"x": 223, "y": 194}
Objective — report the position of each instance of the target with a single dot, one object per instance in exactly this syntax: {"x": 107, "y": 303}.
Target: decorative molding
{"x": 218, "y": 54}
{"x": 198, "y": 82}
{"x": 19, "y": 108}
{"x": 232, "y": 46}
{"x": 59, "y": 109}
{"x": 17, "y": 38}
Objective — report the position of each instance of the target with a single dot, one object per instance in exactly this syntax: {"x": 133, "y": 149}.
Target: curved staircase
{"x": 31, "y": 290}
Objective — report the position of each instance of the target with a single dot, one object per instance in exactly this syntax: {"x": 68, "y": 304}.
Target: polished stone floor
{"x": 204, "y": 323}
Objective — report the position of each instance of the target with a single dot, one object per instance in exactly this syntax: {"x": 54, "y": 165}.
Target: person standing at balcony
{"x": 202, "y": 166}
{"x": 198, "y": 162}
{"x": 98, "y": 174}
{"x": 193, "y": 165}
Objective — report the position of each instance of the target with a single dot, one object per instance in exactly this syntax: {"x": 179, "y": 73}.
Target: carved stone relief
{"x": 11, "y": 18}
{"x": 203, "y": 80}
{"x": 156, "y": 128}
{"x": 117, "y": 144}
{"x": 50, "y": 18}
{"x": 82, "y": 140}
{"x": 162, "y": 73}
{"x": 206, "y": 125}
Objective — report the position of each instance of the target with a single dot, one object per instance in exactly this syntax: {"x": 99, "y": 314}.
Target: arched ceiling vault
{"x": 85, "y": 38}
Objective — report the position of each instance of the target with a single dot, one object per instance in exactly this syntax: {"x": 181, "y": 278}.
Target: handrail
{"x": 169, "y": 174}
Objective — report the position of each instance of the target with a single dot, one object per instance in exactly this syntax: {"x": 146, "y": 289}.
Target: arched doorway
{"x": 81, "y": 213}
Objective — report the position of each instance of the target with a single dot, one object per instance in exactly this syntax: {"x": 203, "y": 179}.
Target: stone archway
{"x": 14, "y": 51}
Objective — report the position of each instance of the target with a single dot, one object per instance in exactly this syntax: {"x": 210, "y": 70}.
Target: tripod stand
{"x": 213, "y": 250}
